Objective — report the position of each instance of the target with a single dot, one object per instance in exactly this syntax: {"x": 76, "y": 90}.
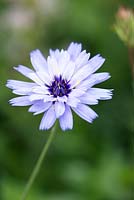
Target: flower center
{"x": 59, "y": 87}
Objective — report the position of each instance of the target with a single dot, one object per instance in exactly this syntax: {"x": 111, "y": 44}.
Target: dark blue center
{"x": 59, "y": 87}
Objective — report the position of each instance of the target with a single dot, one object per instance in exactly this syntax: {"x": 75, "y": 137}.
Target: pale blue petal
{"x": 95, "y": 63}
{"x": 23, "y": 91}
{"x": 76, "y": 92}
{"x": 99, "y": 93}
{"x": 43, "y": 97}
{"x": 20, "y": 87}
{"x": 69, "y": 71}
{"x": 29, "y": 73}
{"x": 89, "y": 99}
{"x": 98, "y": 78}
{"x": 38, "y": 60}
{"x": 48, "y": 119}
{"x": 62, "y": 99}
{"x": 63, "y": 61}
{"x": 74, "y": 50}
{"x": 72, "y": 101}
{"x": 53, "y": 67}
{"x": 93, "y": 80}
{"x": 23, "y": 70}
{"x": 55, "y": 53}
{"x": 82, "y": 59}
{"x": 15, "y": 84}
{"x": 66, "y": 120}
{"x": 79, "y": 76}
{"x": 40, "y": 89}
{"x": 39, "y": 107}
{"x": 85, "y": 112}
{"x": 59, "y": 108}
{"x": 44, "y": 77}
{"x": 36, "y": 79}
{"x": 20, "y": 101}
{"x": 86, "y": 70}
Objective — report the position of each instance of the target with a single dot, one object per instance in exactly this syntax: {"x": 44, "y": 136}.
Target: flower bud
{"x": 124, "y": 25}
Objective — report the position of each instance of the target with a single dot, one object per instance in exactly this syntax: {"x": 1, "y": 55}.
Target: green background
{"x": 93, "y": 161}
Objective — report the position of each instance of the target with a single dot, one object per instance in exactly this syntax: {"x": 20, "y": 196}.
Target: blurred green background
{"x": 93, "y": 161}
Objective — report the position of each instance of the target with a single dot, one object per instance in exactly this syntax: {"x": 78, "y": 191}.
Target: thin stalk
{"x": 131, "y": 61}
{"x": 38, "y": 165}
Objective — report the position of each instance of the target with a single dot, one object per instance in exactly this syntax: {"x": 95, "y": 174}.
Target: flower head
{"x": 61, "y": 83}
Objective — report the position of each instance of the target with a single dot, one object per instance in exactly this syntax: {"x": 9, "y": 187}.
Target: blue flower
{"x": 61, "y": 83}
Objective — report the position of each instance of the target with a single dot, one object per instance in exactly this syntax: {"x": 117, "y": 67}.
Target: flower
{"x": 61, "y": 83}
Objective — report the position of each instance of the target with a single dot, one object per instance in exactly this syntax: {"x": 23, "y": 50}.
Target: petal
{"x": 15, "y": 84}
{"x": 24, "y": 70}
{"x": 44, "y": 77}
{"x": 22, "y": 91}
{"x": 43, "y": 97}
{"x": 101, "y": 94}
{"x": 36, "y": 79}
{"x": 63, "y": 61}
{"x": 88, "y": 99}
{"x": 48, "y": 119}
{"x": 77, "y": 92}
{"x": 59, "y": 108}
{"x": 66, "y": 120}
{"x": 53, "y": 68}
{"x": 29, "y": 73}
{"x": 20, "y": 101}
{"x": 95, "y": 63}
{"x": 35, "y": 97}
{"x": 72, "y": 101}
{"x": 39, "y": 107}
{"x": 82, "y": 59}
{"x": 85, "y": 112}
{"x": 62, "y": 99}
{"x": 79, "y": 76}
{"x": 74, "y": 50}
{"x": 40, "y": 90}
{"x": 55, "y": 53}
{"x": 86, "y": 70}
{"x": 98, "y": 78}
{"x": 93, "y": 80}
{"x": 69, "y": 70}
{"x": 20, "y": 87}
{"x": 38, "y": 60}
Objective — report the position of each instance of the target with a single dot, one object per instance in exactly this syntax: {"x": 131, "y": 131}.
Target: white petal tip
{"x": 32, "y": 53}
{"x": 43, "y": 128}
{"x": 67, "y": 129}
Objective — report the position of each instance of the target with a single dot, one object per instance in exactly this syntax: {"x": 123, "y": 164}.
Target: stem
{"x": 131, "y": 60}
{"x": 38, "y": 165}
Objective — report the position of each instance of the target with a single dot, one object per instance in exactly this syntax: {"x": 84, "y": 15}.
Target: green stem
{"x": 38, "y": 165}
{"x": 131, "y": 60}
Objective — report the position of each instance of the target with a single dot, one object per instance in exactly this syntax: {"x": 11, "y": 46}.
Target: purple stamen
{"x": 59, "y": 87}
